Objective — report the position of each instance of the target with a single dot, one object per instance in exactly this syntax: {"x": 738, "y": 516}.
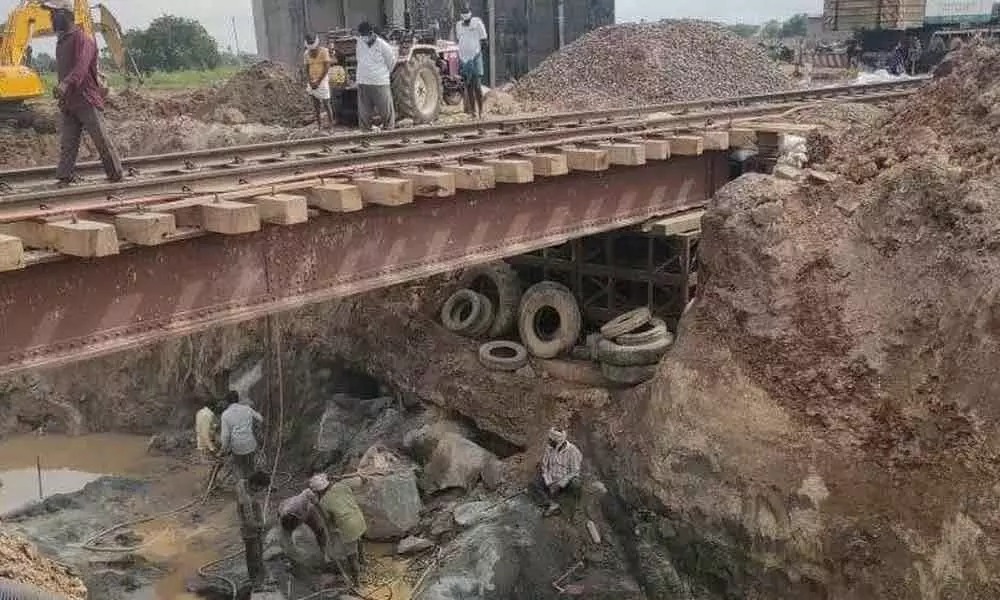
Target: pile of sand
{"x": 267, "y": 93}
{"x": 21, "y": 562}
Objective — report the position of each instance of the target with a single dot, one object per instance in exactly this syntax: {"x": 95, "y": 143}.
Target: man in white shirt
{"x": 470, "y": 34}
{"x": 559, "y": 471}
{"x": 237, "y": 436}
{"x": 376, "y": 60}
{"x": 204, "y": 427}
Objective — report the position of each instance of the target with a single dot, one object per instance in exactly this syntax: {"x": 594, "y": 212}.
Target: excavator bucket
{"x": 111, "y": 30}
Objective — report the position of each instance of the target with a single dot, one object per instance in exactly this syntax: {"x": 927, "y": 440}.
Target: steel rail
{"x": 228, "y": 157}
{"x": 248, "y": 180}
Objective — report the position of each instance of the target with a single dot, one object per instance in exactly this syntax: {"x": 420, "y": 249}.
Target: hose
{"x": 12, "y": 590}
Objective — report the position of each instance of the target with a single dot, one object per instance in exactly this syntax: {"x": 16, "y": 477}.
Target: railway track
{"x": 28, "y": 193}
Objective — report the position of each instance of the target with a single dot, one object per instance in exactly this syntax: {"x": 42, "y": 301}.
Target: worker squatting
{"x": 329, "y": 509}
{"x": 81, "y": 90}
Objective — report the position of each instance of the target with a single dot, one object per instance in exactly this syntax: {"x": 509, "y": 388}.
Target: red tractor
{"x": 426, "y": 75}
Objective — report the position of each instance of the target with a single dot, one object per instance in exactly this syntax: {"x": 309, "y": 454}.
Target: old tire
{"x": 499, "y": 282}
{"x": 417, "y": 90}
{"x": 462, "y": 311}
{"x": 11, "y": 590}
{"x": 581, "y": 353}
{"x": 591, "y": 344}
{"x": 633, "y": 356}
{"x": 650, "y": 332}
{"x": 484, "y": 323}
{"x": 628, "y": 375}
{"x": 626, "y": 323}
{"x": 549, "y": 319}
{"x": 503, "y": 356}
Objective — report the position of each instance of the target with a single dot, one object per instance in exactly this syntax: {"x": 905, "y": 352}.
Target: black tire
{"x": 626, "y": 323}
{"x": 462, "y": 311}
{"x": 499, "y": 282}
{"x": 549, "y": 299}
{"x": 503, "y": 356}
{"x": 628, "y": 375}
{"x": 650, "y": 332}
{"x": 418, "y": 73}
{"x": 633, "y": 356}
{"x": 484, "y": 323}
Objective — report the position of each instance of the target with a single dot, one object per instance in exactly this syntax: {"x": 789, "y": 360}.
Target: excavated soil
{"x": 21, "y": 562}
{"x": 267, "y": 93}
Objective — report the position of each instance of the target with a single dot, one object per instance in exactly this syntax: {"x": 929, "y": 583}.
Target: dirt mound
{"x": 635, "y": 64}
{"x": 21, "y": 562}
{"x": 136, "y": 104}
{"x": 267, "y": 93}
{"x": 826, "y": 425}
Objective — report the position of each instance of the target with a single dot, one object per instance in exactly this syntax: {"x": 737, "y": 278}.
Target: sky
{"x": 218, "y": 17}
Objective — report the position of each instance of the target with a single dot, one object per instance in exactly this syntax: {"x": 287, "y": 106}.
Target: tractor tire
{"x": 484, "y": 323}
{"x": 417, "y": 90}
{"x": 628, "y": 375}
{"x": 556, "y": 300}
{"x": 633, "y": 356}
{"x": 626, "y": 323}
{"x": 648, "y": 333}
{"x": 499, "y": 282}
{"x": 503, "y": 356}
{"x": 463, "y": 311}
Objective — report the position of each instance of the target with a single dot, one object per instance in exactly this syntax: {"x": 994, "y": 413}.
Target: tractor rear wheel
{"x": 417, "y": 90}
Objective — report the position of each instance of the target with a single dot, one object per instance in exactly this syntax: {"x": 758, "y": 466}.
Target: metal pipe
{"x": 560, "y": 23}
{"x": 492, "y": 33}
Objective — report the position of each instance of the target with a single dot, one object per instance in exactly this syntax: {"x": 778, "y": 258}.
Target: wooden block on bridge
{"x": 145, "y": 228}
{"x": 512, "y": 170}
{"x": 230, "y": 218}
{"x": 631, "y": 155}
{"x": 715, "y": 140}
{"x": 430, "y": 183}
{"x": 11, "y": 253}
{"x": 548, "y": 164}
{"x": 33, "y": 234}
{"x": 687, "y": 145}
{"x": 657, "y": 149}
{"x": 676, "y": 224}
{"x": 742, "y": 138}
{"x": 385, "y": 191}
{"x": 84, "y": 238}
{"x": 472, "y": 177}
{"x": 282, "y": 209}
{"x": 336, "y": 197}
{"x": 587, "y": 159}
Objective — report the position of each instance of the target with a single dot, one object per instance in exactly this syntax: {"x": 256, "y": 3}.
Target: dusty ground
{"x": 21, "y": 562}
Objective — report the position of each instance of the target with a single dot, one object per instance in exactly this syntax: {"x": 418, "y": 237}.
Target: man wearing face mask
{"x": 81, "y": 95}
{"x": 470, "y": 34}
{"x": 376, "y": 60}
{"x": 559, "y": 471}
{"x": 318, "y": 64}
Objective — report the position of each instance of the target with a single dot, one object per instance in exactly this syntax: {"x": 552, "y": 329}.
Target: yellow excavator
{"x": 29, "y": 20}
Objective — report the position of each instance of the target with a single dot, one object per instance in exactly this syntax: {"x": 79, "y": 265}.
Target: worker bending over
{"x": 302, "y": 509}
{"x": 318, "y": 63}
{"x": 81, "y": 95}
{"x": 345, "y": 521}
{"x": 376, "y": 60}
{"x": 559, "y": 471}
{"x": 470, "y": 34}
{"x": 237, "y": 437}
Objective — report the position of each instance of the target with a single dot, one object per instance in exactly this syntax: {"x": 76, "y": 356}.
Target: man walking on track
{"x": 376, "y": 60}
{"x": 470, "y": 34}
{"x": 80, "y": 94}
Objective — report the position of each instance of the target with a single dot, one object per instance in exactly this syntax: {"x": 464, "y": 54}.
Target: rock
{"x": 380, "y": 460}
{"x": 391, "y": 504}
{"x": 493, "y": 474}
{"x": 767, "y": 214}
{"x": 442, "y": 523}
{"x": 229, "y": 116}
{"x": 412, "y": 545}
{"x": 821, "y": 176}
{"x": 787, "y": 172}
{"x": 526, "y": 371}
{"x": 471, "y": 513}
{"x": 455, "y": 463}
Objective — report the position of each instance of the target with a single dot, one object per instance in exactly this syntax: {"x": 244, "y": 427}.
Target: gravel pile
{"x": 651, "y": 63}
{"x": 21, "y": 562}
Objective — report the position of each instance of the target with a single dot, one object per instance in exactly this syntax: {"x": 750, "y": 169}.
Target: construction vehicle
{"x": 426, "y": 75}
{"x": 30, "y": 20}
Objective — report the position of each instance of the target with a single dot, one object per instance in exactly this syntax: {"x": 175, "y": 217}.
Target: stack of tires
{"x": 630, "y": 347}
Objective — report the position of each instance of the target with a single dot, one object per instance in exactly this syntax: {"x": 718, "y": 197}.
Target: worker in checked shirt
{"x": 559, "y": 471}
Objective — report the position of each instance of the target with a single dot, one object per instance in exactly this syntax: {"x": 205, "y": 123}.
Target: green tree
{"x": 173, "y": 44}
{"x": 742, "y": 30}
{"x": 771, "y": 29}
{"x": 797, "y": 26}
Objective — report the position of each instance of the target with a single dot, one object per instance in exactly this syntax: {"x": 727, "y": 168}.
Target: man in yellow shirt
{"x": 341, "y": 510}
{"x": 318, "y": 62}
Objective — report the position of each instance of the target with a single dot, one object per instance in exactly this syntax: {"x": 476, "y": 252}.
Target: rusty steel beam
{"x": 77, "y": 309}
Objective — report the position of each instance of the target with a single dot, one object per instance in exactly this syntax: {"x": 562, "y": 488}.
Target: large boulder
{"x": 391, "y": 504}
{"x": 456, "y": 463}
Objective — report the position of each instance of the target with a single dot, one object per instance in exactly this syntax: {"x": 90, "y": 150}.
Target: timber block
{"x": 230, "y": 218}
{"x": 548, "y": 164}
{"x": 282, "y": 209}
{"x": 472, "y": 177}
{"x": 385, "y": 191}
{"x": 687, "y": 145}
{"x": 33, "y": 234}
{"x": 335, "y": 197}
{"x": 511, "y": 170}
{"x": 11, "y": 253}
{"x": 742, "y": 138}
{"x": 146, "y": 228}
{"x": 657, "y": 149}
{"x": 631, "y": 155}
{"x": 431, "y": 183}
{"x": 84, "y": 238}
{"x": 587, "y": 159}
{"x": 715, "y": 140}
